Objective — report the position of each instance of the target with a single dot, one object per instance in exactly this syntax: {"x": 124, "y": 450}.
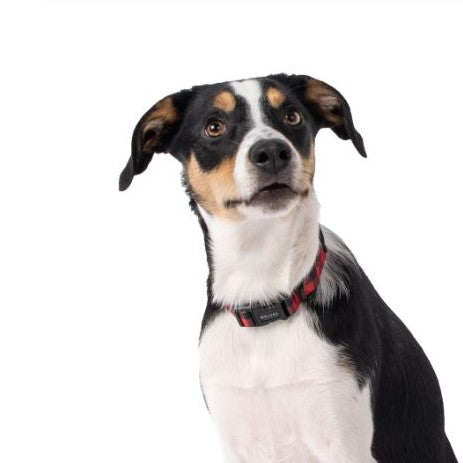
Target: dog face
{"x": 247, "y": 147}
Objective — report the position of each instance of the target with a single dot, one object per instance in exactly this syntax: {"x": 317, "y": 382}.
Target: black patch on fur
{"x": 406, "y": 399}
{"x": 161, "y": 139}
{"x": 301, "y": 135}
{"x": 195, "y": 108}
{"x": 210, "y": 152}
{"x": 346, "y": 130}
{"x": 407, "y": 404}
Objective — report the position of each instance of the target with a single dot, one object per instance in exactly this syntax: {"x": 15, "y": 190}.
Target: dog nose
{"x": 271, "y": 155}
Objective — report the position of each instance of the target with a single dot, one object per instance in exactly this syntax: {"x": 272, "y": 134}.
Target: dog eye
{"x": 293, "y": 118}
{"x": 214, "y": 128}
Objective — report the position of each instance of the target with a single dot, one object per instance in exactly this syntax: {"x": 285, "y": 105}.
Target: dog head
{"x": 247, "y": 147}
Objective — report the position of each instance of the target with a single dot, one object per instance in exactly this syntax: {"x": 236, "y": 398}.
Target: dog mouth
{"x": 272, "y": 194}
{"x": 274, "y": 187}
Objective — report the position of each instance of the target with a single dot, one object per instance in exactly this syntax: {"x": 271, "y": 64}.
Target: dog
{"x": 300, "y": 359}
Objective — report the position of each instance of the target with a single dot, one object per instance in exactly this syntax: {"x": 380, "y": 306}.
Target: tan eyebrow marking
{"x": 225, "y": 101}
{"x": 275, "y": 97}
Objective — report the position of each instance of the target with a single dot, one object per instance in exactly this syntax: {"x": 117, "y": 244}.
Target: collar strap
{"x": 255, "y": 314}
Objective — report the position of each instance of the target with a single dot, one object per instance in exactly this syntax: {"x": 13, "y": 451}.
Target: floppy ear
{"x": 327, "y": 105}
{"x": 154, "y": 134}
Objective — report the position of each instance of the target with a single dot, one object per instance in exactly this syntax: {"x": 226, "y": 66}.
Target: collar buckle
{"x": 260, "y": 314}
{"x": 255, "y": 314}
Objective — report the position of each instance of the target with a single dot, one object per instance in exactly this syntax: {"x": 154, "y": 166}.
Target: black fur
{"x": 408, "y": 410}
{"x": 195, "y": 108}
{"x": 346, "y": 130}
{"x": 406, "y": 399}
{"x": 142, "y": 150}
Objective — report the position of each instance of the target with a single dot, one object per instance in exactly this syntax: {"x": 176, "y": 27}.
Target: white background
{"x": 102, "y": 292}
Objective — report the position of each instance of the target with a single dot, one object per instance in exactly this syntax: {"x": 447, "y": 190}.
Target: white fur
{"x": 279, "y": 393}
{"x": 259, "y": 259}
{"x": 333, "y": 281}
{"x": 251, "y": 91}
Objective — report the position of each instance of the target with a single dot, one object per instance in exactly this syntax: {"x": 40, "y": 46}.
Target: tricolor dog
{"x": 300, "y": 359}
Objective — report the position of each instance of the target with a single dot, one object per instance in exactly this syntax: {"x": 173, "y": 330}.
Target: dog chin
{"x": 270, "y": 205}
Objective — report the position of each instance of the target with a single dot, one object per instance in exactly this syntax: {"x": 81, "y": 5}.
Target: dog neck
{"x": 258, "y": 260}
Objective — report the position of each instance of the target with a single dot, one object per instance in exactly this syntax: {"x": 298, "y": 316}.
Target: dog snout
{"x": 271, "y": 155}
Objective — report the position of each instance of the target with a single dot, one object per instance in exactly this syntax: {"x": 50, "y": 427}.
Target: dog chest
{"x": 279, "y": 354}
{"x": 280, "y": 392}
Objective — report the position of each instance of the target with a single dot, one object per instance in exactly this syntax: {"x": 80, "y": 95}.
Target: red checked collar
{"x": 255, "y": 314}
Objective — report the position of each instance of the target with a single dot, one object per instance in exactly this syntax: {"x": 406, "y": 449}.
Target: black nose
{"x": 271, "y": 155}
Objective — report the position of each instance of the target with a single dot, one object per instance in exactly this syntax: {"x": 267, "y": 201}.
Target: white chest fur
{"x": 279, "y": 393}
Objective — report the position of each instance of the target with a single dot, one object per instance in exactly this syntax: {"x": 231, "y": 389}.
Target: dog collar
{"x": 256, "y": 314}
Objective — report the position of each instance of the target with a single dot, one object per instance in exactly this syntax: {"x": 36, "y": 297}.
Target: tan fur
{"x": 275, "y": 97}
{"x": 321, "y": 95}
{"x": 212, "y": 189}
{"x": 225, "y": 101}
{"x": 308, "y": 169}
{"x": 163, "y": 111}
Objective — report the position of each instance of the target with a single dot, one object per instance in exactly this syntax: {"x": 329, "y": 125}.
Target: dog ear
{"x": 326, "y": 104}
{"x": 154, "y": 134}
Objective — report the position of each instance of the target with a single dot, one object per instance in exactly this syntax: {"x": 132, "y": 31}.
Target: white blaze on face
{"x": 251, "y": 92}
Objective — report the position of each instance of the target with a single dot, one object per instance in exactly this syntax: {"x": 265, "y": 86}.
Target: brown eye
{"x": 293, "y": 118}
{"x": 215, "y": 128}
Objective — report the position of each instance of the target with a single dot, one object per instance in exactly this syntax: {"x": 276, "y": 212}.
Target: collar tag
{"x": 260, "y": 315}
{"x": 256, "y": 314}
